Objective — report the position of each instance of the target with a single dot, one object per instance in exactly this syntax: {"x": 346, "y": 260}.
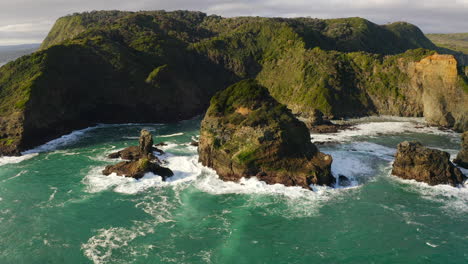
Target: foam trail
{"x": 52, "y": 196}
{"x": 171, "y": 135}
{"x": 13, "y": 160}
{"x": 77, "y": 135}
{"x": 17, "y": 175}
{"x": 185, "y": 169}
{"x": 378, "y": 128}
{"x": 61, "y": 141}
{"x": 453, "y": 199}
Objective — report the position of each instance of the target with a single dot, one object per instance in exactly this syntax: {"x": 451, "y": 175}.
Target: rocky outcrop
{"x": 141, "y": 160}
{"x": 462, "y": 157}
{"x": 247, "y": 133}
{"x": 317, "y": 124}
{"x": 443, "y": 98}
{"x": 414, "y": 161}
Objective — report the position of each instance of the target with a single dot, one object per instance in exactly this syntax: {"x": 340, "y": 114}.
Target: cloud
{"x": 30, "y": 20}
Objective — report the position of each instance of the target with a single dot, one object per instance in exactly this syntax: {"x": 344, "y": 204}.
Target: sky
{"x": 28, "y": 21}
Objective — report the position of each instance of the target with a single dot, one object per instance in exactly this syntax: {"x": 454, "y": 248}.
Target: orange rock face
{"x": 437, "y": 82}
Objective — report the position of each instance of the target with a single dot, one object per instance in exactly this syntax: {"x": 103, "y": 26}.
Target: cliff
{"x": 157, "y": 66}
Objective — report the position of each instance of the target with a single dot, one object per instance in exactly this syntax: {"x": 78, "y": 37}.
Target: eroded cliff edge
{"x": 161, "y": 66}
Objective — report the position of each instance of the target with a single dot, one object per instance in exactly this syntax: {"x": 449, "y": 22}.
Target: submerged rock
{"x": 247, "y": 133}
{"x": 344, "y": 181}
{"x": 414, "y": 161}
{"x": 141, "y": 160}
{"x": 317, "y": 124}
{"x": 462, "y": 157}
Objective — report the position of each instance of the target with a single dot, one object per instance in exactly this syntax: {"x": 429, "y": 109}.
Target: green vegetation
{"x": 157, "y": 65}
{"x": 252, "y": 117}
{"x": 155, "y": 73}
{"x": 143, "y": 164}
{"x": 457, "y": 42}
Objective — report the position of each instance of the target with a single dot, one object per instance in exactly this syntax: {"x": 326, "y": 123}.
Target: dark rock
{"x": 414, "y": 161}
{"x": 137, "y": 169}
{"x": 141, "y": 160}
{"x": 316, "y": 118}
{"x": 462, "y": 157}
{"x": 130, "y": 153}
{"x": 317, "y": 124}
{"x": 194, "y": 143}
{"x": 146, "y": 142}
{"x": 160, "y": 151}
{"x": 344, "y": 181}
{"x": 144, "y": 149}
{"x": 247, "y": 133}
{"x": 161, "y": 144}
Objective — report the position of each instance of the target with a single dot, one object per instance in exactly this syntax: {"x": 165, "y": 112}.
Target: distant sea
{"x": 9, "y": 53}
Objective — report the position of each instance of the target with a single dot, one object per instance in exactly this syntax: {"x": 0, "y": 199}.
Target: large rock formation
{"x": 462, "y": 157}
{"x": 141, "y": 160}
{"x": 414, "y": 161}
{"x": 247, "y": 133}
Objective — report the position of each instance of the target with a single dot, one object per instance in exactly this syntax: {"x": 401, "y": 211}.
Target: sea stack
{"x": 462, "y": 157}
{"x": 247, "y": 133}
{"x": 414, "y": 161}
{"x": 140, "y": 160}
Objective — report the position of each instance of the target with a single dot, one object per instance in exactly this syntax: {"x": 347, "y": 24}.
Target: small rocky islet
{"x": 247, "y": 133}
{"x": 413, "y": 161}
{"x": 139, "y": 160}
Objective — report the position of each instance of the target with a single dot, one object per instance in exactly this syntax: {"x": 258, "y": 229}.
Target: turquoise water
{"x": 55, "y": 207}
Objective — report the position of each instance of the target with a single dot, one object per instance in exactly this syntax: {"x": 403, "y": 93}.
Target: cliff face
{"x": 247, "y": 133}
{"x": 161, "y": 66}
{"x": 443, "y": 99}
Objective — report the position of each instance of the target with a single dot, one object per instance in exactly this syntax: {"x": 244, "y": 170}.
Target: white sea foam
{"x": 351, "y": 166}
{"x": 185, "y": 169}
{"x": 52, "y": 196}
{"x": 453, "y": 199}
{"x": 131, "y": 137}
{"x": 378, "y": 128}
{"x": 171, "y": 135}
{"x": 76, "y": 135}
{"x": 431, "y": 245}
{"x": 16, "y": 176}
{"x": 373, "y": 149}
{"x": 99, "y": 247}
{"x": 301, "y": 202}
{"x": 61, "y": 141}
{"x": 13, "y": 160}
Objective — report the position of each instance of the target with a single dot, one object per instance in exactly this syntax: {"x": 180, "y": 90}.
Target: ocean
{"x": 57, "y": 207}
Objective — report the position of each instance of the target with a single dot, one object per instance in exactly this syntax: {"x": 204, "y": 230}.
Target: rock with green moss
{"x": 140, "y": 160}
{"x": 247, "y": 133}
